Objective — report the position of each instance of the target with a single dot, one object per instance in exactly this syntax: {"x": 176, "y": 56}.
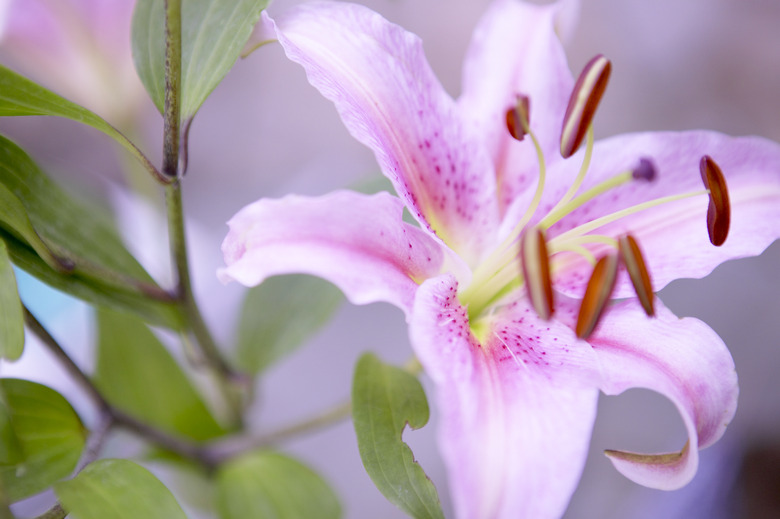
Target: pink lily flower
{"x": 78, "y": 48}
{"x": 517, "y": 377}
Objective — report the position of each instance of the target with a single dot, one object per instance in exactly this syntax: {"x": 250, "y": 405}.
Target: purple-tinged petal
{"x": 682, "y": 359}
{"x": 516, "y": 410}
{"x": 515, "y": 50}
{"x": 79, "y": 48}
{"x": 673, "y": 236}
{"x": 357, "y": 242}
{"x": 390, "y": 100}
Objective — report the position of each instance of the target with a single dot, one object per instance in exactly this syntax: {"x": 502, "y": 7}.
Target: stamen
{"x": 646, "y": 170}
{"x": 518, "y": 118}
{"x": 535, "y": 261}
{"x": 575, "y": 186}
{"x": 617, "y": 215}
{"x": 600, "y": 287}
{"x": 507, "y": 251}
{"x": 637, "y": 271}
{"x": 583, "y": 102}
{"x": 559, "y": 211}
{"x": 574, "y": 249}
{"x": 719, "y": 210}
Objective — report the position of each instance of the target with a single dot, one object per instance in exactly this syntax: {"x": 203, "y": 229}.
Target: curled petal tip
{"x": 583, "y": 103}
{"x": 645, "y": 469}
{"x": 719, "y": 210}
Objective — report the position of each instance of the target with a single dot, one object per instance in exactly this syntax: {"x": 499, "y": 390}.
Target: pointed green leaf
{"x": 213, "y": 34}
{"x": 272, "y": 486}
{"x": 47, "y": 431}
{"x": 14, "y": 219}
{"x": 11, "y": 316}
{"x": 20, "y": 96}
{"x": 117, "y": 489}
{"x": 137, "y": 374}
{"x": 105, "y": 272}
{"x": 384, "y": 400}
{"x": 279, "y": 315}
{"x": 10, "y": 446}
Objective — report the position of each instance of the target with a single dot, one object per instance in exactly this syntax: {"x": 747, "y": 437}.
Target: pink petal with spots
{"x": 673, "y": 236}
{"x": 389, "y": 99}
{"x": 516, "y": 50}
{"x": 357, "y": 242}
{"x": 684, "y": 360}
{"x": 516, "y": 411}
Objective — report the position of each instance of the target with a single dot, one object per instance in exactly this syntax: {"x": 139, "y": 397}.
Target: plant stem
{"x": 111, "y": 415}
{"x": 55, "y": 512}
{"x": 175, "y": 212}
{"x": 50, "y": 342}
{"x": 171, "y": 115}
{"x": 222, "y": 450}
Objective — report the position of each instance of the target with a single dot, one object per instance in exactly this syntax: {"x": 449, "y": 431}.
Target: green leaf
{"x": 117, "y": 489}
{"x": 105, "y": 272}
{"x": 268, "y": 485}
{"x": 213, "y": 34}
{"x": 20, "y": 96}
{"x": 14, "y": 219}
{"x": 11, "y": 316}
{"x": 49, "y": 435}
{"x": 384, "y": 400}
{"x": 137, "y": 374}
{"x": 10, "y": 446}
{"x": 279, "y": 315}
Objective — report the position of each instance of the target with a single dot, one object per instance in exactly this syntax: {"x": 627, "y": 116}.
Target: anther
{"x": 535, "y": 261}
{"x": 719, "y": 210}
{"x": 637, "y": 271}
{"x": 597, "y": 293}
{"x": 583, "y": 102}
{"x": 518, "y": 118}
{"x": 645, "y": 170}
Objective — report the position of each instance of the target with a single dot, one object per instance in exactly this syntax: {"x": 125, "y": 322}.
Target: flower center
{"x": 501, "y": 274}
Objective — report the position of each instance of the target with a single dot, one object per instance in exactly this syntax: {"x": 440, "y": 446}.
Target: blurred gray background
{"x": 265, "y": 132}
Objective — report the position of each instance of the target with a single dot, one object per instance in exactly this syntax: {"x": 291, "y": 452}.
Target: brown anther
{"x": 583, "y": 102}
{"x": 518, "y": 118}
{"x": 535, "y": 261}
{"x": 597, "y": 293}
{"x": 637, "y": 271}
{"x": 719, "y": 210}
{"x": 645, "y": 170}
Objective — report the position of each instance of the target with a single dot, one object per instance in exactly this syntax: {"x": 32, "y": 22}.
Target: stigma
{"x": 526, "y": 262}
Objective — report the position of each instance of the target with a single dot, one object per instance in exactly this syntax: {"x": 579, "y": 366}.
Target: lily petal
{"x": 389, "y": 99}
{"x": 673, "y": 236}
{"x": 511, "y": 45}
{"x": 516, "y": 410}
{"x": 357, "y": 242}
{"x": 682, "y": 359}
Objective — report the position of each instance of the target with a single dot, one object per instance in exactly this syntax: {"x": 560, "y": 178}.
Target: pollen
{"x": 583, "y": 102}
{"x": 719, "y": 210}
{"x": 535, "y": 261}
{"x": 597, "y": 294}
